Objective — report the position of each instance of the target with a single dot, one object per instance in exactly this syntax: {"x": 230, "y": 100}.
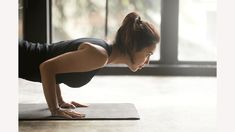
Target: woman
{"x": 75, "y": 62}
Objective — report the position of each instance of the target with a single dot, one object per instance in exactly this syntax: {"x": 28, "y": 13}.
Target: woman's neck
{"x": 116, "y": 57}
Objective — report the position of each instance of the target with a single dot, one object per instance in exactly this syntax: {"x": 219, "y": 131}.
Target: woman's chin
{"x": 134, "y": 69}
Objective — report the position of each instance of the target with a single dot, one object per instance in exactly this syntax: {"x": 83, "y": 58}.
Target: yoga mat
{"x": 95, "y": 111}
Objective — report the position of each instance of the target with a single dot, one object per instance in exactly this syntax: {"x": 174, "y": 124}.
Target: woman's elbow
{"x": 46, "y": 67}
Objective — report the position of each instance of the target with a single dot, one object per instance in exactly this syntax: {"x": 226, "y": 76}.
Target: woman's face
{"x": 141, "y": 58}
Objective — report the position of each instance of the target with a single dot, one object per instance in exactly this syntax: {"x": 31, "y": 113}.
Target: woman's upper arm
{"x": 86, "y": 58}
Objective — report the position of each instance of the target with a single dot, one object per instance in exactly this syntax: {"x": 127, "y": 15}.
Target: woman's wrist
{"x": 55, "y": 111}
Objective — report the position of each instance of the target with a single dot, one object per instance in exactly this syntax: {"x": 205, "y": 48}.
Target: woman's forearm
{"x": 49, "y": 87}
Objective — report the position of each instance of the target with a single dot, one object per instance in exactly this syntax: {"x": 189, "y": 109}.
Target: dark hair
{"x": 135, "y": 35}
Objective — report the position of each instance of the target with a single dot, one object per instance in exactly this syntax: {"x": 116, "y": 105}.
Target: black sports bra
{"x": 36, "y": 53}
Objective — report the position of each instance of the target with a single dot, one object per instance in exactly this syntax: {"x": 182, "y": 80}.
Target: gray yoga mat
{"x": 95, "y": 111}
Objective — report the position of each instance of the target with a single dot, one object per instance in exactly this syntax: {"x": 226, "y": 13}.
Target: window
{"x": 197, "y": 24}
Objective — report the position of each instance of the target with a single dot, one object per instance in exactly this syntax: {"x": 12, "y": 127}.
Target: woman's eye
{"x": 149, "y": 54}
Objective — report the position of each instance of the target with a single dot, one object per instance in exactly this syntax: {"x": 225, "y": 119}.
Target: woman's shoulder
{"x": 94, "y": 50}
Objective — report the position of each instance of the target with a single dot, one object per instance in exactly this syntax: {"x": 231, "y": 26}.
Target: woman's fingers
{"x": 67, "y": 105}
{"x": 67, "y": 116}
{"x": 61, "y": 113}
{"x": 67, "y": 113}
{"x": 71, "y": 114}
{"x": 72, "y": 105}
{"x": 78, "y": 104}
{"x": 74, "y": 114}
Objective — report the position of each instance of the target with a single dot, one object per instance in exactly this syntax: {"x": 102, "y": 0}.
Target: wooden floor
{"x": 165, "y": 104}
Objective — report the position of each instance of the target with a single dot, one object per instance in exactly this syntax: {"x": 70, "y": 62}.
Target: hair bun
{"x": 137, "y": 19}
{"x": 137, "y": 24}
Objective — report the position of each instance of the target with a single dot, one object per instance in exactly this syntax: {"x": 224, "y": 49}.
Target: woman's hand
{"x": 68, "y": 113}
{"x": 67, "y": 105}
{"x": 78, "y": 104}
{"x": 71, "y": 105}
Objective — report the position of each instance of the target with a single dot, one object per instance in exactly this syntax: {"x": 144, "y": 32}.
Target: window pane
{"x": 73, "y": 19}
{"x": 118, "y": 9}
{"x": 197, "y": 23}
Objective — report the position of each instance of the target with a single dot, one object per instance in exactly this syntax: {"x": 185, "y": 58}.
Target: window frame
{"x": 37, "y": 28}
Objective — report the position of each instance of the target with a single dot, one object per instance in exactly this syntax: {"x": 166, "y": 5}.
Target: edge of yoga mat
{"x": 128, "y": 113}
